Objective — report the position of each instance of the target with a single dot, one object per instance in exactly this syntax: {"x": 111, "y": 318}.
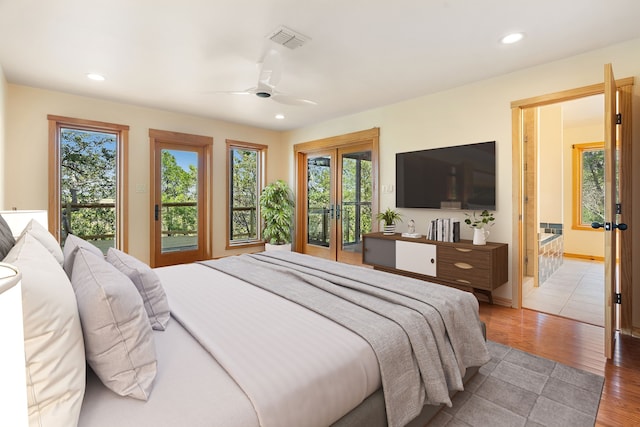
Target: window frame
{"x": 578, "y": 151}
{"x": 56, "y": 123}
{"x": 261, "y": 149}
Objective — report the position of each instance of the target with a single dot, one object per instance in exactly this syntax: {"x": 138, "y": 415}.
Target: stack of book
{"x": 444, "y": 230}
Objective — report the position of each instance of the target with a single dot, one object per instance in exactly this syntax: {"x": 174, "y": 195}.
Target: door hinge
{"x": 618, "y": 298}
{"x": 618, "y": 119}
{"x": 618, "y": 208}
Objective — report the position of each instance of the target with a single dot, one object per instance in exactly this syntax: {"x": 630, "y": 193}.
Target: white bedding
{"x": 290, "y": 361}
{"x": 293, "y": 362}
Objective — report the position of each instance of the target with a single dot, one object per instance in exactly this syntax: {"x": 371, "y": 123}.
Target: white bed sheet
{"x": 297, "y": 367}
{"x": 190, "y": 389}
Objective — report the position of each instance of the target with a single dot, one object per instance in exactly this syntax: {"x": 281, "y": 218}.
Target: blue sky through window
{"x": 185, "y": 158}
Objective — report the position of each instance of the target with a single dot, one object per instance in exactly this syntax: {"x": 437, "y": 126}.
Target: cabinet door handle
{"x": 463, "y": 250}
{"x": 463, "y": 265}
{"x": 466, "y": 282}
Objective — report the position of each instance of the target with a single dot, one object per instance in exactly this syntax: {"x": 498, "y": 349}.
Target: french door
{"x": 179, "y": 198}
{"x": 336, "y": 199}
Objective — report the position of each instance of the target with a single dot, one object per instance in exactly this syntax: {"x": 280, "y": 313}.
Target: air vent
{"x": 287, "y": 37}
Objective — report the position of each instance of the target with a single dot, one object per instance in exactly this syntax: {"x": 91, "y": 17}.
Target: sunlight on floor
{"x": 575, "y": 291}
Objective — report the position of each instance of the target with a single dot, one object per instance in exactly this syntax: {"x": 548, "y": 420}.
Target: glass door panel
{"x": 355, "y": 206}
{"x": 320, "y": 209}
{"x": 178, "y": 209}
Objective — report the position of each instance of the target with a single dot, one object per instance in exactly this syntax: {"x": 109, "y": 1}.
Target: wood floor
{"x": 579, "y": 345}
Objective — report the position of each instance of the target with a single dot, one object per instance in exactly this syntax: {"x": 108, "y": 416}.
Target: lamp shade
{"x": 18, "y": 220}
{"x": 13, "y": 386}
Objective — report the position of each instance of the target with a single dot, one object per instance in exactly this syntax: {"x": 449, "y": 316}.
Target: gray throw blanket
{"x": 424, "y": 335}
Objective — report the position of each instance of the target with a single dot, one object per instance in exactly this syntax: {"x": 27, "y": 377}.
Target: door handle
{"x": 156, "y": 211}
{"x": 608, "y": 226}
{"x": 331, "y": 212}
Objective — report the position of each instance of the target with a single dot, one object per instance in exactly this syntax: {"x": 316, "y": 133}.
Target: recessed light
{"x": 96, "y": 77}
{"x": 512, "y": 38}
{"x": 280, "y": 116}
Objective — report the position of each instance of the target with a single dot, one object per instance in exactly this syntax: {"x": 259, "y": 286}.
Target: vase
{"x": 480, "y": 236}
{"x": 389, "y": 229}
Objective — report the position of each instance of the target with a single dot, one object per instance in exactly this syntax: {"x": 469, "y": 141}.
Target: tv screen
{"x": 459, "y": 177}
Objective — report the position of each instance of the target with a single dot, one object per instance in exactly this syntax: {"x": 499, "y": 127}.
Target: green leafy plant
{"x": 276, "y": 209}
{"x": 479, "y": 220}
{"x": 389, "y": 216}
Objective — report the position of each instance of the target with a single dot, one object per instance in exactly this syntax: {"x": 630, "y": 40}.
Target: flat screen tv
{"x": 459, "y": 177}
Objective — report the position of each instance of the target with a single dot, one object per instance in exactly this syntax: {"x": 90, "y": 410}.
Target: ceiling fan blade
{"x": 249, "y": 91}
{"x": 271, "y": 69}
{"x": 289, "y": 100}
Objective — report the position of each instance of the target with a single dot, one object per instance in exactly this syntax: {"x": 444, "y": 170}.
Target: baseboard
{"x": 581, "y": 256}
{"x": 506, "y": 302}
{"x": 635, "y": 331}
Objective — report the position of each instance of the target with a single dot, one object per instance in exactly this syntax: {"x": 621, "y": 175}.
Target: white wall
{"x": 3, "y": 103}
{"x": 480, "y": 112}
{"x": 27, "y": 142}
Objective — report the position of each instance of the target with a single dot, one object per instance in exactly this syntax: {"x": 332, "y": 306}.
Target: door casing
{"x": 203, "y": 145}
{"x": 369, "y": 137}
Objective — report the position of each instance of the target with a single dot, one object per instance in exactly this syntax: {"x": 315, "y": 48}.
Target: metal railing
{"x": 68, "y": 210}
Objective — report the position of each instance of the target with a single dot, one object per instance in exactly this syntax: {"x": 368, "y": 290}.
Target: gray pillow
{"x": 71, "y": 245}
{"x": 118, "y": 339}
{"x": 6, "y": 238}
{"x": 148, "y": 284}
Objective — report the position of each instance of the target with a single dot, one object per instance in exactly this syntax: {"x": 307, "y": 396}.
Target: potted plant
{"x": 276, "y": 209}
{"x": 478, "y": 222}
{"x": 389, "y": 217}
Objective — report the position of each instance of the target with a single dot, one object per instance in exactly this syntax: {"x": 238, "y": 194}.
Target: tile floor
{"x": 575, "y": 290}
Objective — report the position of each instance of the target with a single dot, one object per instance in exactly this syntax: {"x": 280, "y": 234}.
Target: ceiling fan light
{"x": 512, "y": 38}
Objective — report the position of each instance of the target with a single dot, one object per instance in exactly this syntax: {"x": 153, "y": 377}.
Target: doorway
{"x": 180, "y": 200}
{"x": 564, "y": 194}
{"x": 336, "y": 195}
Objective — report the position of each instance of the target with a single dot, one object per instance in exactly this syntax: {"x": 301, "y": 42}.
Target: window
{"x": 588, "y": 184}
{"x": 87, "y": 164}
{"x": 245, "y": 174}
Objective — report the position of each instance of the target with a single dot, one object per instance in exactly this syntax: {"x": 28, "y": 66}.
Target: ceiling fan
{"x": 268, "y": 78}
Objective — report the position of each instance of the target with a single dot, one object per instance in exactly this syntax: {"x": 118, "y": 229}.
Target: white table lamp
{"x": 18, "y": 220}
{"x": 13, "y": 386}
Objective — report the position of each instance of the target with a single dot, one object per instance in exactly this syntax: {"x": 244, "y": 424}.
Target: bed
{"x": 267, "y": 339}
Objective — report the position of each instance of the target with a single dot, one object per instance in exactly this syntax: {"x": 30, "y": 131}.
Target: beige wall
{"x": 481, "y": 112}
{"x": 550, "y": 191}
{"x": 580, "y": 242}
{"x": 3, "y": 103}
{"x": 27, "y": 142}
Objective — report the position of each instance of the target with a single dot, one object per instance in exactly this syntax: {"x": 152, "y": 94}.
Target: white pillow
{"x": 71, "y": 245}
{"x": 117, "y": 334}
{"x": 148, "y": 284}
{"x": 54, "y": 349}
{"x": 45, "y": 238}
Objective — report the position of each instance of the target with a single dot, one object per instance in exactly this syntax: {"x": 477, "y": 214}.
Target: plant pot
{"x": 270, "y": 247}
{"x": 480, "y": 236}
{"x": 389, "y": 229}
